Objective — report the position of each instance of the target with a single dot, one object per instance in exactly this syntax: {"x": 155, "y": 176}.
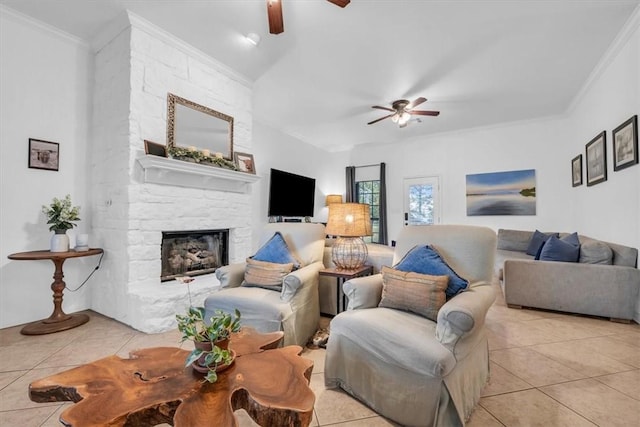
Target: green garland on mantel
{"x": 196, "y": 156}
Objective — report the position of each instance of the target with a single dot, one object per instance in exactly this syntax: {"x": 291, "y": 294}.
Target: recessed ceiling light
{"x": 253, "y": 38}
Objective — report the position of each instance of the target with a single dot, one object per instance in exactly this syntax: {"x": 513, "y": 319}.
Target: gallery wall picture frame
{"x": 155, "y": 149}
{"x": 44, "y": 154}
{"x": 244, "y": 162}
{"x": 596, "y": 159}
{"x": 625, "y": 144}
{"x": 576, "y": 171}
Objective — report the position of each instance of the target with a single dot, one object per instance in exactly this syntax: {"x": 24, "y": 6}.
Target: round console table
{"x": 59, "y": 320}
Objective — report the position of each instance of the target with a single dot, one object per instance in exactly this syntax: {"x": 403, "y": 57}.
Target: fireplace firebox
{"x": 193, "y": 252}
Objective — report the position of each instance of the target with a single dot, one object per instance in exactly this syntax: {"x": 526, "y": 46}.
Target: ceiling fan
{"x": 274, "y": 11}
{"x": 402, "y": 110}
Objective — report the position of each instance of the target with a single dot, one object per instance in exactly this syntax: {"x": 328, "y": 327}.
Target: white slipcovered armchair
{"x": 408, "y": 368}
{"x": 295, "y": 309}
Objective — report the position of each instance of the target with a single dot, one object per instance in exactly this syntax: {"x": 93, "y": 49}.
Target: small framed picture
{"x": 576, "y": 170}
{"x": 625, "y": 144}
{"x": 596, "y": 162}
{"x": 155, "y": 149}
{"x": 44, "y": 154}
{"x": 244, "y": 162}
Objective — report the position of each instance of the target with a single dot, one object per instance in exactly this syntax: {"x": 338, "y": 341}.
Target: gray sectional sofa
{"x": 604, "y": 282}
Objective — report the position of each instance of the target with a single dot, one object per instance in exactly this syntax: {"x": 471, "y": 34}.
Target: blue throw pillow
{"x": 570, "y": 238}
{"x": 426, "y": 260}
{"x": 564, "y": 249}
{"x": 537, "y": 257}
{"x": 276, "y": 251}
{"x": 537, "y": 240}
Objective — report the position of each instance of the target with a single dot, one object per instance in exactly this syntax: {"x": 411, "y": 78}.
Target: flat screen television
{"x": 291, "y": 194}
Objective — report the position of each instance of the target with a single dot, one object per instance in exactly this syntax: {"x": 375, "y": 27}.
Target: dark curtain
{"x": 351, "y": 196}
{"x": 383, "y": 205}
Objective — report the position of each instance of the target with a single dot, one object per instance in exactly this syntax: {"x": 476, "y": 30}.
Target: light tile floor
{"x": 547, "y": 369}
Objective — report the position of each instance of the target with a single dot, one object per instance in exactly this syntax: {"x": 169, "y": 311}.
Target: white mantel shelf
{"x": 162, "y": 170}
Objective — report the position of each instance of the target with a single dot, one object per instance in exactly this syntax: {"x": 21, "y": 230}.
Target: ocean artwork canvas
{"x": 502, "y": 193}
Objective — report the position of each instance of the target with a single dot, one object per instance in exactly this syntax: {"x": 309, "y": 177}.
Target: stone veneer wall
{"x": 135, "y": 70}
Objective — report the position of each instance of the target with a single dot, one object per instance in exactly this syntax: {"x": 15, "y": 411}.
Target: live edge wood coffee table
{"x": 153, "y": 387}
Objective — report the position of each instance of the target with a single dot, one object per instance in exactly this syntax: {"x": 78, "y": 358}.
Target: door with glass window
{"x": 421, "y": 200}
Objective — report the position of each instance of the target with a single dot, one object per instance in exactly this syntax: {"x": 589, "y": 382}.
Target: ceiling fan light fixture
{"x": 253, "y": 39}
{"x": 402, "y": 111}
{"x": 404, "y": 119}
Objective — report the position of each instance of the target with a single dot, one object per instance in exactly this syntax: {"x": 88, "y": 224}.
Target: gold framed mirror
{"x": 194, "y": 125}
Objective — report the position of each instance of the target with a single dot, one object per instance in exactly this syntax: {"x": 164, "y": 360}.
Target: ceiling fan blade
{"x": 381, "y": 118}
{"x": 274, "y": 11}
{"x": 341, "y": 3}
{"x": 415, "y": 103}
{"x": 384, "y": 108}
{"x": 424, "y": 113}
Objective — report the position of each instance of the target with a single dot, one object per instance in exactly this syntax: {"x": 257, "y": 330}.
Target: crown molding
{"x": 128, "y": 19}
{"x": 14, "y": 15}
{"x": 173, "y": 41}
{"x": 119, "y": 24}
{"x": 628, "y": 29}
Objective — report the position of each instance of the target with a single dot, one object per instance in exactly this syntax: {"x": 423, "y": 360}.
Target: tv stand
{"x": 289, "y": 219}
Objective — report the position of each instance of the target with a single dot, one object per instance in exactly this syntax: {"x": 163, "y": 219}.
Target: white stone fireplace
{"x": 137, "y": 197}
{"x": 192, "y": 252}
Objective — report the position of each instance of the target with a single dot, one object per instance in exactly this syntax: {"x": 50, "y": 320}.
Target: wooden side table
{"x": 342, "y": 275}
{"x": 59, "y": 320}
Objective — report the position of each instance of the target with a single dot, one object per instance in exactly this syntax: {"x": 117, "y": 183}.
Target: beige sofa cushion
{"x": 266, "y": 275}
{"x": 514, "y": 240}
{"x": 595, "y": 252}
{"x": 422, "y": 294}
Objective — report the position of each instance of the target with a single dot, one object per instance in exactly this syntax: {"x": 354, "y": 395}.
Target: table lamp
{"x": 333, "y": 198}
{"x": 349, "y": 221}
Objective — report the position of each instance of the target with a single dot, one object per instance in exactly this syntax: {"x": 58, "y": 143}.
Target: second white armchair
{"x": 295, "y": 308}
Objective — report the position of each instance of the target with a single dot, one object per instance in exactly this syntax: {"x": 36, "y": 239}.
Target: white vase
{"x": 60, "y": 241}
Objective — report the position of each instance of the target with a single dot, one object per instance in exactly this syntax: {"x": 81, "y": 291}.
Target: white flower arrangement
{"x": 61, "y": 214}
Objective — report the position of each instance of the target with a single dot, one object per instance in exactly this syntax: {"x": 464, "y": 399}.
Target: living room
{"x": 101, "y": 104}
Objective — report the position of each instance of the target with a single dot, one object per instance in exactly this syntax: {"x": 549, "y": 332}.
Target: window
{"x": 421, "y": 201}
{"x": 368, "y": 192}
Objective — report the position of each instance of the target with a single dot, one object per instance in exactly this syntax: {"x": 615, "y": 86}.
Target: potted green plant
{"x": 210, "y": 338}
{"x": 61, "y": 215}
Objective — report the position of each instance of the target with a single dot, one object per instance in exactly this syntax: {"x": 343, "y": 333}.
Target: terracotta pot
{"x": 219, "y": 368}
{"x": 223, "y": 343}
{"x": 206, "y": 346}
{"x": 199, "y": 365}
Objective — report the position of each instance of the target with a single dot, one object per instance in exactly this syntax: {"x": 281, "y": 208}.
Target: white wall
{"x": 109, "y": 175}
{"x": 609, "y": 211}
{"x": 44, "y": 83}
{"x": 273, "y": 149}
{"x": 452, "y": 156}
